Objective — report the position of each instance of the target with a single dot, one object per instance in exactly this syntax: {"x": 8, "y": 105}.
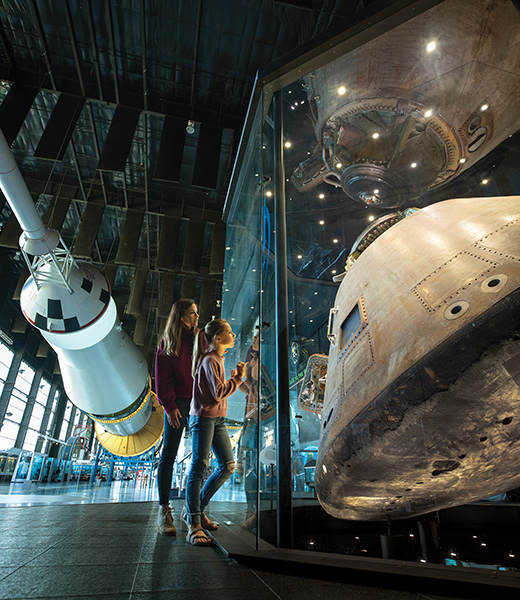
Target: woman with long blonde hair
{"x": 173, "y": 385}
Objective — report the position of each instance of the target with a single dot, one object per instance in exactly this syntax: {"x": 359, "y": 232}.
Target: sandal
{"x": 207, "y": 524}
{"x": 197, "y": 537}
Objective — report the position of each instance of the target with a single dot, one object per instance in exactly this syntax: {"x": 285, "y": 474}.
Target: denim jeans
{"x": 207, "y": 433}
{"x": 171, "y": 441}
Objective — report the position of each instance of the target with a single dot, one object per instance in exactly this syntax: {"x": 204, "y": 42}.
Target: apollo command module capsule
{"x": 69, "y": 301}
{"x": 421, "y": 408}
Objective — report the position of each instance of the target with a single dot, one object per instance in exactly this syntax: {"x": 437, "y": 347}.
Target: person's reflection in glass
{"x": 247, "y": 452}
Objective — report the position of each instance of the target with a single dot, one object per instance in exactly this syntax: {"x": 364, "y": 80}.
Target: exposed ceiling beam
{"x": 74, "y": 46}
{"x": 195, "y": 54}
{"x": 43, "y": 41}
{"x": 112, "y": 46}
{"x": 143, "y": 55}
{"x": 94, "y": 49}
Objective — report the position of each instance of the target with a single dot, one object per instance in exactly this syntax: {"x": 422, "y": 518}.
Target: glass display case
{"x": 371, "y": 276}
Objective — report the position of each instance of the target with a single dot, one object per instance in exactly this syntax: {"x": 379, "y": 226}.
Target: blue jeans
{"x": 207, "y": 433}
{"x": 171, "y": 441}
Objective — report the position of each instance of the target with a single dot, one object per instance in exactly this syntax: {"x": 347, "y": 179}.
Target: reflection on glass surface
{"x": 400, "y": 122}
{"x": 401, "y": 114}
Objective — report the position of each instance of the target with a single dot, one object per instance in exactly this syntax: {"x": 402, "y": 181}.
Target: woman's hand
{"x": 174, "y": 418}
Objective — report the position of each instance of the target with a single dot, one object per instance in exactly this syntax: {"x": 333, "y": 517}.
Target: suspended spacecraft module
{"x": 69, "y": 301}
{"x": 408, "y": 119}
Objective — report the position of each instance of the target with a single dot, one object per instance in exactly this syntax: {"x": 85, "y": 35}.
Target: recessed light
{"x": 342, "y": 90}
{"x": 375, "y": 135}
{"x": 321, "y": 196}
{"x": 287, "y": 144}
{"x": 335, "y": 241}
{"x": 371, "y": 218}
{"x": 300, "y": 256}
{"x": 322, "y": 222}
{"x": 333, "y": 271}
{"x": 484, "y": 181}
{"x": 484, "y": 107}
{"x": 430, "y": 46}
{"x": 462, "y": 160}
{"x": 338, "y": 165}
{"x": 269, "y": 193}
{"x": 428, "y": 114}
{"x": 413, "y": 165}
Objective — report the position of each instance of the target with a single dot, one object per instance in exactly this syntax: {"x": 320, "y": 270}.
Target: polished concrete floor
{"x": 89, "y": 549}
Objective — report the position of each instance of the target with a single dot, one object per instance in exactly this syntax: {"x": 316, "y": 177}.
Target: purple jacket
{"x": 173, "y": 373}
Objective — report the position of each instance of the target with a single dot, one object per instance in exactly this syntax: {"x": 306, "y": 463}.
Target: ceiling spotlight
{"x": 342, "y": 90}
{"x": 333, "y": 271}
{"x": 287, "y": 144}
{"x": 300, "y": 256}
{"x": 375, "y": 135}
{"x": 321, "y": 196}
{"x": 413, "y": 165}
{"x": 484, "y": 181}
{"x": 430, "y": 46}
{"x": 462, "y": 160}
{"x": 371, "y": 218}
{"x": 322, "y": 222}
{"x": 428, "y": 114}
{"x": 269, "y": 193}
{"x": 484, "y": 107}
{"x": 338, "y": 165}
{"x": 335, "y": 240}
{"x": 190, "y": 127}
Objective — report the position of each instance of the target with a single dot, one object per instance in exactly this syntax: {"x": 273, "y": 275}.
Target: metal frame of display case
{"x": 380, "y": 18}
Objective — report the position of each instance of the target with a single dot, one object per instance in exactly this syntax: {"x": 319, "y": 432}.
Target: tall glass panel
{"x": 241, "y": 307}
{"x": 402, "y": 233}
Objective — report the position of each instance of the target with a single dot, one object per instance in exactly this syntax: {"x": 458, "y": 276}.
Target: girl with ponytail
{"x": 208, "y": 412}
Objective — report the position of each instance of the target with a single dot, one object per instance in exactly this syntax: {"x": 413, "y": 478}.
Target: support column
{"x": 9, "y": 383}
{"x": 46, "y": 415}
{"x": 29, "y": 405}
{"x": 283, "y": 410}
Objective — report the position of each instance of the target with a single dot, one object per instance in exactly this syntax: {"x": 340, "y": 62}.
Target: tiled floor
{"x": 112, "y": 551}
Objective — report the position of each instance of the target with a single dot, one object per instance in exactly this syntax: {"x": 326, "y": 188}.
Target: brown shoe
{"x": 165, "y": 524}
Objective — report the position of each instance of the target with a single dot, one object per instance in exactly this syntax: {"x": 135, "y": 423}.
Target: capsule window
{"x": 350, "y": 325}
{"x": 328, "y": 418}
{"x": 456, "y": 310}
{"x": 494, "y": 283}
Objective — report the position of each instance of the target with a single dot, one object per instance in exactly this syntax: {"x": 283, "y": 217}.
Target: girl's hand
{"x": 233, "y": 373}
{"x": 241, "y": 369}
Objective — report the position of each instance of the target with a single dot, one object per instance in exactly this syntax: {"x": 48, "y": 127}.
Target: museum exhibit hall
{"x": 339, "y": 181}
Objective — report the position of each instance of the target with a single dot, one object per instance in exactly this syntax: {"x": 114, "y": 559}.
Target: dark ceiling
{"x": 95, "y": 99}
